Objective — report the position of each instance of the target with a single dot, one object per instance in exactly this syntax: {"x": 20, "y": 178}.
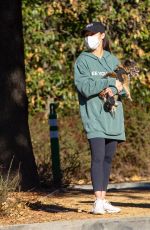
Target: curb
{"x": 116, "y": 186}
{"x": 134, "y": 223}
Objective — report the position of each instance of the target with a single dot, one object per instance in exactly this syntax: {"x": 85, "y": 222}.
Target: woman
{"x": 103, "y": 130}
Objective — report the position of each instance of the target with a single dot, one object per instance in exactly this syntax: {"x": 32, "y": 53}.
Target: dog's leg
{"x": 127, "y": 91}
{"x": 126, "y": 86}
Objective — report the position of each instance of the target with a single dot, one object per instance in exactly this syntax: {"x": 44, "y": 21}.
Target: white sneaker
{"x": 98, "y": 207}
{"x": 108, "y": 207}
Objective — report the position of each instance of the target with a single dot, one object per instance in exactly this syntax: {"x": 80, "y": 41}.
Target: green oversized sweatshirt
{"x": 90, "y": 80}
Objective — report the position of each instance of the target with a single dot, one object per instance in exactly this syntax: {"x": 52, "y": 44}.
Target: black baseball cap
{"x": 94, "y": 27}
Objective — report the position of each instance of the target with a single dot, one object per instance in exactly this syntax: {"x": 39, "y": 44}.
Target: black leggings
{"x": 102, "y": 152}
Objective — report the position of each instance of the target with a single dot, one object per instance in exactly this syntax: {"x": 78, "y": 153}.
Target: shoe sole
{"x": 113, "y": 211}
{"x": 98, "y": 213}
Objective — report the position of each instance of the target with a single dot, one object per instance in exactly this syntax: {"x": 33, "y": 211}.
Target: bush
{"x": 131, "y": 159}
{"x": 52, "y": 38}
{"x": 52, "y": 42}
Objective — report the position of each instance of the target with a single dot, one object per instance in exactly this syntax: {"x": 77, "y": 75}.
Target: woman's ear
{"x": 102, "y": 35}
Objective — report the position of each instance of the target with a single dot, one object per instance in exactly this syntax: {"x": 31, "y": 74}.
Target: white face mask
{"x": 92, "y": 42}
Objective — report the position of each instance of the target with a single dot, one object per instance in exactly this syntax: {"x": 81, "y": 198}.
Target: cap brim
{"x": 91, "y": 30}
{"x": 87, "y": 30}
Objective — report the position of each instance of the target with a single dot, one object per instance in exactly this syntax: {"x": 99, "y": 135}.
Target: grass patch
{"x": 8, "y": 183}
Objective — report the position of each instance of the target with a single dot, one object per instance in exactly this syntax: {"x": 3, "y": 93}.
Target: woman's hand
{"x": 106, "y": 91}
{"x": 109, "y": 92}
{"x": 119, "y": 86}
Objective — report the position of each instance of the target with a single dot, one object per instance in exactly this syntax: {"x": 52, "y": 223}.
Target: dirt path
{"x": 34, "y": 207}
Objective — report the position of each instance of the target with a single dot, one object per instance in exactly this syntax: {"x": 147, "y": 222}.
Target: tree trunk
{"x": 14, "y": 130}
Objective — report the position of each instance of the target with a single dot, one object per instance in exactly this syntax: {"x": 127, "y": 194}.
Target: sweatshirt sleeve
{"x": 87, "y": 84}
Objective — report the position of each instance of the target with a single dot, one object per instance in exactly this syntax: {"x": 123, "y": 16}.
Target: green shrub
{"x": 52, "y": 32}
{"x": 132, "y": 156}
{"x": 52, "y": 38}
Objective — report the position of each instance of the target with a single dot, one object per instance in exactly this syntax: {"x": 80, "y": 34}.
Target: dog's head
{"x": 131, "y": 68}
{"x": 128, "y": 68}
